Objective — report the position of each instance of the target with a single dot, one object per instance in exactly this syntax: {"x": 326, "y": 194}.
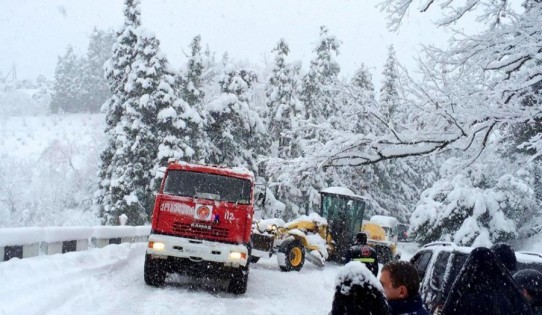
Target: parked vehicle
{"x": 201, "y": 225}
{"x": 439, "y": 263}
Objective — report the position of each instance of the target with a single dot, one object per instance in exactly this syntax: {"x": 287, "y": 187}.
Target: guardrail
{"x": 35, "y": 241}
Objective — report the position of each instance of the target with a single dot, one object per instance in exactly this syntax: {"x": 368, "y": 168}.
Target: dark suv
{"x": 439, "y": 263}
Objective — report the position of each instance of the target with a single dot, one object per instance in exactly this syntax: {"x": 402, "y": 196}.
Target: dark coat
{"x": 484, "y": 286}
{"x": 409, "y": 306}
{"x": 365, "y": 254}
{"x": 362, "y": 300}
{"x": 358, "y": 293}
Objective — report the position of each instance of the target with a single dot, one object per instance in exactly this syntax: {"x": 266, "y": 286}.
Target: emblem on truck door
{"x": 203, "y": 212}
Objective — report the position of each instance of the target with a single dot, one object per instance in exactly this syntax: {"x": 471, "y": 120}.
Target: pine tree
{"x": 235, "y": 129}
{"x": 193, "y": 94}
{"x": 282, "y": 101}
{"x": 67, "y": 86}
{"x": 117, "y": 70}
{"x": 95, "y": 89}
{"x": 389, "y": 94}
{"x": 318, "y": 95}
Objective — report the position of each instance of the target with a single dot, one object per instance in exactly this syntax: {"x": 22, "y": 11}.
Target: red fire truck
{"x": 201, "y": 225}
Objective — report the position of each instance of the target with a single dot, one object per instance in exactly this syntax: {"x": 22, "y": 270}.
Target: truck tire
{"x": 153, "y": 272}
{"x": 291, "y": 256}
{"x": 239, "y": 281}
{"x": 253, "y": 259}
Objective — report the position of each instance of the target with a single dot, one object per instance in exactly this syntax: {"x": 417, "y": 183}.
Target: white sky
{"x": 34, "y": 32}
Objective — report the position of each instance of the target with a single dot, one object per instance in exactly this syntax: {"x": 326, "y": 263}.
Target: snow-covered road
{"x": 110, "y": 281}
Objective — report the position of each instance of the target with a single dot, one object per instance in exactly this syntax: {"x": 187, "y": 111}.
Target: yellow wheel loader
{"x": 318, "y": 237}
{"x": 292, "y": 242}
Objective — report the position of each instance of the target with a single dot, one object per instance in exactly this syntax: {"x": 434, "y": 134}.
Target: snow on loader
{"x": 293, "y": 242}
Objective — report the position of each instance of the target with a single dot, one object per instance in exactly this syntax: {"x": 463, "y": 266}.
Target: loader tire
{"x": 291, "y": 256}
{"x": 154, "y": 273}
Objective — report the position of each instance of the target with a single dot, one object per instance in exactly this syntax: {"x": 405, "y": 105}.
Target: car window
{"x": 456, "y": 262}
{"x": 439, "y": 270}
{"x": 420, "y": 262}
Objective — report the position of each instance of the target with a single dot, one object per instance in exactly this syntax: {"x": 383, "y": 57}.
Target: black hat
{"x": 361, "y": 238}
{"x": 531, "y": 281}
{"x": 506, "y": 255}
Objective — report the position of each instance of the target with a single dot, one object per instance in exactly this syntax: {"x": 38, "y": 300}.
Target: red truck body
{"x": 201, "y": 224}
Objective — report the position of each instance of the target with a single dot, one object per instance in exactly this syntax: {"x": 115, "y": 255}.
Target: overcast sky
{"x": 34, "y": 32}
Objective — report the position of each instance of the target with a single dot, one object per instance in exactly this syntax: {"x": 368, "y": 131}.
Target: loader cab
{"x": 344, "y": 212}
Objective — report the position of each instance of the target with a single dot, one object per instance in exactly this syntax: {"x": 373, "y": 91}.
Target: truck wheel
{"x": 291, "y": 256}
{"x": 253, "y": 259}
{"x": 239, "y": 281}
{"x": 154, "y": 273}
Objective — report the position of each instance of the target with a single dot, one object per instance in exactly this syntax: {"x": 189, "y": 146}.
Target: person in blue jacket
{"x": 401, "y": 284}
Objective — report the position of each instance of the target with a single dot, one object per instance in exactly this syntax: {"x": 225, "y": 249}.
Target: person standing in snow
{"x": 485, "y": 286}
{"x": 401, "y": 283}
{"x": 358, "y": 292}
{"x": 529, "y": 282}
{"x": 363, "y": 253}
{"x": 506, "y": 256}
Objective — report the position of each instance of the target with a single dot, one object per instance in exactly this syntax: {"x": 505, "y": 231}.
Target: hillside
{"x": 48, "y": 164}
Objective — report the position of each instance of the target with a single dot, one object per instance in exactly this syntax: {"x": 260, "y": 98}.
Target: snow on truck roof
{"x": 341, "y": 191}
{"x": 213, "y": 169}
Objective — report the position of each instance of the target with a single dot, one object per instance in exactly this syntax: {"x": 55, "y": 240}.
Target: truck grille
{"x": 187, "y": 229}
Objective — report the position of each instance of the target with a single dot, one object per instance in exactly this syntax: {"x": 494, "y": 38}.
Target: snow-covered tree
{"x": 94, "y": 86}
{"x": 464, "y": 210}
{"x": 317, "y": 93}
{"x": 193, "y": 92}
{"x": 389, "y": 93}
{"x": 235, "y": 130}
{"x": 117, "y": 71}
{"x": 67, "y": 87}
{"x": 283, "y": 105}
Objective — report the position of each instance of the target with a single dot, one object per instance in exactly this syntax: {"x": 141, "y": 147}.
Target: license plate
{"x": 193, "y": 250}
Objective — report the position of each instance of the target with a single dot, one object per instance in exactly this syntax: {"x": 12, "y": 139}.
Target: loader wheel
{"x": 291, "y": 256}
{"x": 154, "y": 272}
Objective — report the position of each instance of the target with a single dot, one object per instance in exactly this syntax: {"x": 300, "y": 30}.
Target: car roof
{"x": 521, "y": 256}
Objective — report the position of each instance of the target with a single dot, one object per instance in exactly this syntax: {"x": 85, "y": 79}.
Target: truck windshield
{"x": 208, "y": 186}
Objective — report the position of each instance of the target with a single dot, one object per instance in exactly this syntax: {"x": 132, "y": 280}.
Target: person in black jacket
{"x": 485, "y": 286}
{"x": 401, "y": 284}
{"x": 529, "y": 282}
{"x": 358, "y": 292}
{"x": 362, "y": 252}
{"x": 505, "y": 255}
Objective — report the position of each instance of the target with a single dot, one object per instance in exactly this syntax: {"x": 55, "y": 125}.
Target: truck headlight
{"x": 238, "y": 255}
{"x": 157, "y": 245}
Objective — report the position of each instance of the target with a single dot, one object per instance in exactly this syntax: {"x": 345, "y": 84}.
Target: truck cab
{"x": 201, "y": 225}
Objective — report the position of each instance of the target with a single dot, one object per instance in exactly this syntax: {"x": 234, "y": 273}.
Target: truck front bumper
{"x": 196, "y": 251}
